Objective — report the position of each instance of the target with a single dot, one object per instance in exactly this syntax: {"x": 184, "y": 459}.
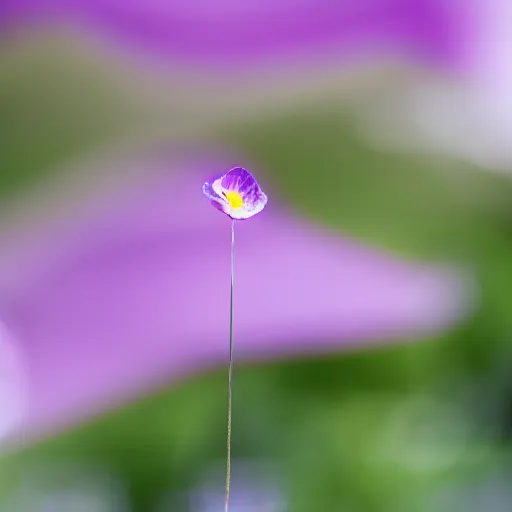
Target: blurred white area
{"x": 466, "y": 122}
{"x": 468, "y": 117}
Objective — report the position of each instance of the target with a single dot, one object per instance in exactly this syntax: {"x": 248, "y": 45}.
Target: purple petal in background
{"x": 133, "y": 292}
{"x": 233, "y": 32}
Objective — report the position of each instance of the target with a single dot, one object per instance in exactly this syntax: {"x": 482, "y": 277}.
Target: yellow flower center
{"x": 234, "y": 199}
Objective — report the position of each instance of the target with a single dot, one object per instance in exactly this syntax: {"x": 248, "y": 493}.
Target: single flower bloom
{"x": 236, "y": 193}
{"x": 124, "y": 290}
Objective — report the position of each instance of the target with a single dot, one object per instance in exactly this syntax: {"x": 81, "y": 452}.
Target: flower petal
{"x": 240, "y": 33}
{"x": 238, "y": 179}
{"x": 215, "y": 200}
{"x": 134, "y": 291}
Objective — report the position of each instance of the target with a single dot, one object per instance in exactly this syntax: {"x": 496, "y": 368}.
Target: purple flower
{"x": 236, "y": 193}
{"x": 128, "y": 290}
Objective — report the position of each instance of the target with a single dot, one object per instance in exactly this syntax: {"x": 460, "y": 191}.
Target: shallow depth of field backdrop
{"x": 373, "y": 296}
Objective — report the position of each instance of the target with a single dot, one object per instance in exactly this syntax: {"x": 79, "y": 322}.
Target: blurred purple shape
{"x": 239, "y": 33}
{"x": 12, "y": 390}
{"x": 131, "y": 291}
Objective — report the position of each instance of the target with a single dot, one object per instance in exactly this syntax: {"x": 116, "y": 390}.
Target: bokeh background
{"x": 373, "y": 302}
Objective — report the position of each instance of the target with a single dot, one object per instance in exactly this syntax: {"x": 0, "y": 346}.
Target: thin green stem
{"x": 230, "y": 371}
